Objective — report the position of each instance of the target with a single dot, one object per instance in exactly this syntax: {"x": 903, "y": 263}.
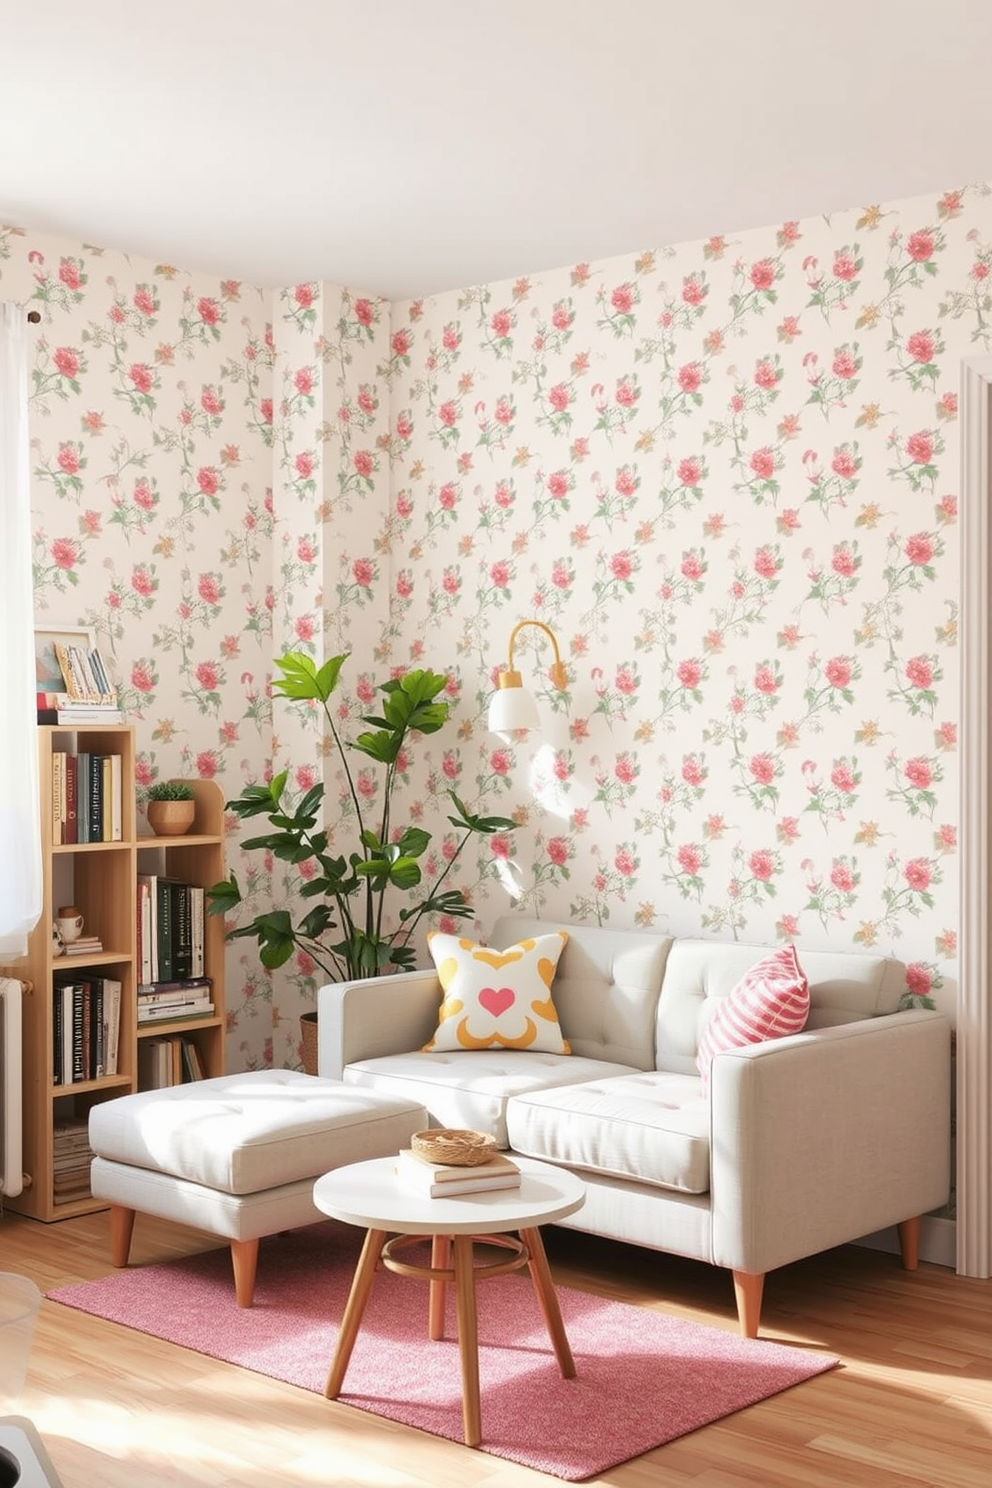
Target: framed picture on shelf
{"x": 68, "y": 666}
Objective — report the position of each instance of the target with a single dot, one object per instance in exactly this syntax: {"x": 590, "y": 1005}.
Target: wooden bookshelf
{"x": 100, "y": 879}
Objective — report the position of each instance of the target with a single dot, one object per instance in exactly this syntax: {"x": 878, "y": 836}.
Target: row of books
{"x": 165, "y": 1002}
{"x": 73, "y": 1155}
{"x": 86, "y": 798}
{"x": 446, "y": 1180}
{"x": 168, "y": 1061}
{"x": 84, "y": 673}
{"x": 170, "y": 921}
{"x": 86, "y": 1028}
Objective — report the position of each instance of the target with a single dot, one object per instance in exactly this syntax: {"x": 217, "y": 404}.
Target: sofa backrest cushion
{"x": 843, "y": 988}
{"x": 606, "y": 989}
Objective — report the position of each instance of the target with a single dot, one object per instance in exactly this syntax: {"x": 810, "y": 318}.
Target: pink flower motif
{"x": 689, "y": 858}
{"x": 762, "y": 865}
{"x": 765, "y": 376}
{"x": 624, "y": 770}
{"x": 501, "y": 324}
{"x": 141, "y": 582}
{"x": 622, "y": 299}
{"x": 626, "y": 682}
{"x": 66, "y": 361}
{"x": 917, "y": 875}
{"x": 362, "y": 572}
{"x": 558, "y": 850}
{"x": 69, "y": 274}
{"x": 303, "y": 464}
{"x": 404, "y": 584}
{"x": 558, "y": 485}
{"x": 762, "y": 768}
{"x": 303, "y": 381}
{"x": 68, "y": 459}
{"x": 499, "y": 762}
{"x": 919, "y": 548}
{"x": 917, "y": 771}
{"x": 692, "y": 291}
{"x": 448, "y": 414}
{"x": 143, "y": 772}
{"x": 845, "y": 267}
{"x": 843, "y": 562}
{"x": 689, "y": 471}
{"x": 207, "y": 676}
{"x": 844, "y": 366}
{"x": 447, "y": 497}
{"x": 364, "y": 312}
{"x": 920, "y": 246}
{"x": 842, "y": 778}
{"x": 64, "y": 553}
{"x": 692, "y": 771}
{"x": 919, "y": 672}
{"x": 838, "y": 672}
{"x": 207, "y": 480}
{"x": 306, "y": 551}
{"x": 364, "y": 463}
{"x": 624, "y": 863}
{"x": 499, "y": 573}
{"x": 762, "y": 462}
{"x": 762, "y": 274}
{"x": 689, "y": 674}
{"x": 765, "y": 680}
{"x": 920, "y": 346}
{"x": 844, "y": 464}
{"x": 141, "y": 376}
{"x": 919, "y": 447}
{"x": 841, "y": 878}
{"x": 141, "y": 678}
{"x": 451, "y": 338}
{"x": 621, "y": 566}
{"x": 766, "y": 565}
{"x": 208, "y": 311}
{"x": 919, "y": 979}
{"x": 689, "y": 377}
{"x": 947, "y": 736}
{"x": 500, "y": 846}
{"x": 559, "y": 397}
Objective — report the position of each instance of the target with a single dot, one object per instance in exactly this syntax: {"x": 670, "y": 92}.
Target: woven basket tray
{"x": 462, "y": 1149}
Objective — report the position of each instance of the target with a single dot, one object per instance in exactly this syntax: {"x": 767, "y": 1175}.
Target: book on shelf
{"x": 171, "y": 932}
{"x": 84, "y": 945}
{"x": 437, "y": 1180}
{"x": 158, "y": 992}
{"x": 85, "y": 1029}
{"x": 168, "y": 1061}
{"x": 87, "y": 793}
{"x": 173, "y": 1012}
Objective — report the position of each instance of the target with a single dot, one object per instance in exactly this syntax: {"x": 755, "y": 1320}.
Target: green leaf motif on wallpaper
{"x": 344, "y": 933}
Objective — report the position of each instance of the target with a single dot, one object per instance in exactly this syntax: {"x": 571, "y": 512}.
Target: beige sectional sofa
{"x": 802, "y": 1143}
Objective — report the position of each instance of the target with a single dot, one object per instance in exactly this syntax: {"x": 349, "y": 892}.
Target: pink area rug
{"x": 643, "y": 1378}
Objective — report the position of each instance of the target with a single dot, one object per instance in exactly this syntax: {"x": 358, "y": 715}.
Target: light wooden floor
{"x": 912, "y": 1404}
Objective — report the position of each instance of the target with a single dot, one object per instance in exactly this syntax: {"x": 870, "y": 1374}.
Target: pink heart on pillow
{"x": 497, "y": 1000}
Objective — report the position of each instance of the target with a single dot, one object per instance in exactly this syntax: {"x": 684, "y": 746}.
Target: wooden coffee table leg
{"x": 352, "y": 1320}
{"x": 440, "y": 1261}
{"x": 468, "y": 1338}
{"x": 540, "y": 1273}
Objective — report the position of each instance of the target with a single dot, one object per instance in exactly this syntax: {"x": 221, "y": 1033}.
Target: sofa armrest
{"x": 368, "y": 1019}
{"x": 826, "y": 1136}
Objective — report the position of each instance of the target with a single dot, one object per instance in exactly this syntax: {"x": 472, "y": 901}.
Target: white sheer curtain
{"x": 20, "y": 828}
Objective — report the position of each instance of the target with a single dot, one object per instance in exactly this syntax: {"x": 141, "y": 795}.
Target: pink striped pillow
{"x": 770, "y": 1001}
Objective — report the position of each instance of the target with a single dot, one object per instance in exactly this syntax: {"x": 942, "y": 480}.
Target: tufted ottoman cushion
{"x": 244, "y": 1133}
{"x": 237, "y": 1156}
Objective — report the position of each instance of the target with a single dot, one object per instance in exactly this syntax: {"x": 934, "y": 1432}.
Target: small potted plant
{"x": 170, "y": 807}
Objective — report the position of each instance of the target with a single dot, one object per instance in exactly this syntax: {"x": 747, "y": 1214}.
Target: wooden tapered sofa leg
{"x": 909, "y": 1242}
{"x": 748, "y": 1289}
{"x": 244, "y": 1259}
{"x": 121, "y": 1230}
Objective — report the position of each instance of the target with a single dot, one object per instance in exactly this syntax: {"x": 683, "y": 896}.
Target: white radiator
{"x": 11, "y": 1157}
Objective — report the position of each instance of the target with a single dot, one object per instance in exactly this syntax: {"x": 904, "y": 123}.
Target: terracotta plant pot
{"x": 171, "y": 818}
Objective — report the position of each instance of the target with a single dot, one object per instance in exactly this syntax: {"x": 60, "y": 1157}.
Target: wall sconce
{"x": 513, "y": 707}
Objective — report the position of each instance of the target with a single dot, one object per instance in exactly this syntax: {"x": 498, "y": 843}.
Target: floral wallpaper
{"x": 724, "y": 473}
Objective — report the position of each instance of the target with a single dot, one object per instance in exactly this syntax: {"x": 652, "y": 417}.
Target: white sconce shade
{"x": 513, "y": 708}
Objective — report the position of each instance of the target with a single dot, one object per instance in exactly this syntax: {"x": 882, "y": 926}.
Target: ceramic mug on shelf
{"x": 70, "y": 923}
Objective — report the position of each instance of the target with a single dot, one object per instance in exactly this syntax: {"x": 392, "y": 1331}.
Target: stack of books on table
{"x": 73, "y": 1155}
{"x": 166, "y": 1002}
{"x": 445, "y": 1180}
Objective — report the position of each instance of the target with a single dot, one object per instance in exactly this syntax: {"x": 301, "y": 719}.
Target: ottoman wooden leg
{"x": 121, "y": 1230}
{"x": 244, "y": 1258}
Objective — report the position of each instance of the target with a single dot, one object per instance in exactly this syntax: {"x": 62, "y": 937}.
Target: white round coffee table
{"x": 371, "y": 1195}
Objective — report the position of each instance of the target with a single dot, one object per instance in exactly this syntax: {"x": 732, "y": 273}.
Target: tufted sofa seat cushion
{"x": 647, "y": 1127}
{"x": 471, "y": 1089}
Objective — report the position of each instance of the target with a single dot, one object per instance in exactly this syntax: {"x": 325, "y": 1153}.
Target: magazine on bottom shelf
{"x": 437, "y": 1180}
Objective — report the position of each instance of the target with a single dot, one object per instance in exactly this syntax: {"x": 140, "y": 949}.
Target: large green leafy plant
{"x": 345, "y": 928}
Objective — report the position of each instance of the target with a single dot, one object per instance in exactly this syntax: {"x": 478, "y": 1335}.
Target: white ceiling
{"x": 410, "y": 146}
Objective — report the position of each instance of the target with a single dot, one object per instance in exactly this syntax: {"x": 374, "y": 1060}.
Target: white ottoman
{"x": 237, "y": 1156}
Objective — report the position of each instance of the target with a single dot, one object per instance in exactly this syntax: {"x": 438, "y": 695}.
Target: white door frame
{"x": 974, "y": 1003}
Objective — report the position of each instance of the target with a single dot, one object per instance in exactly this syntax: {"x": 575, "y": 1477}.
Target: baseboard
{"x": 938, "y": 1241}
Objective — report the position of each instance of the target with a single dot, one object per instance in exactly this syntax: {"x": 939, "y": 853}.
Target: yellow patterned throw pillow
{"x": 497, "y": 999}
